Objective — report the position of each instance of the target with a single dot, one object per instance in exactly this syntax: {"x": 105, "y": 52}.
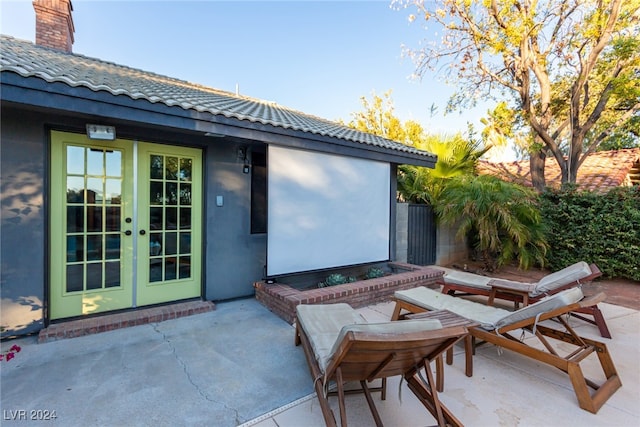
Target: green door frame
{"x": 100, "y": 254}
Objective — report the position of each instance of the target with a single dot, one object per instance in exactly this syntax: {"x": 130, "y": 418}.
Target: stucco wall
{"x": 232, "y": 259}
{"x": 22, "y": 239}
{"x": 235, "y": 258}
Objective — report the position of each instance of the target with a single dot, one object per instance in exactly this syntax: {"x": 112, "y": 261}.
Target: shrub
{"x": 333, "y": 280}
{"x": 374, "y": 272}
{"x": 501, "y": 220}
{"x": 597, "y": 228}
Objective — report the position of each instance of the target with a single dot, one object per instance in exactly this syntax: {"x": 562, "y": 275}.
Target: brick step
{"x": 110, "y": 322}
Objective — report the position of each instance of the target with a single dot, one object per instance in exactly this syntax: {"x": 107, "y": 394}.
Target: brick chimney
{"x": 54, "y": 24}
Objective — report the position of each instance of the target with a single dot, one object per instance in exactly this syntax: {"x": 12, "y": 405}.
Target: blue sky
{"x": 319, "y": 57}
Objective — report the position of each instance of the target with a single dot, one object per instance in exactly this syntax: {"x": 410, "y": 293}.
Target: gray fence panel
{"x": 421, "y": 245}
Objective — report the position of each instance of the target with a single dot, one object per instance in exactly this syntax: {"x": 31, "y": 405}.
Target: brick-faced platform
{"x": 110, "y": 322}
{"x": 282, "y": 299}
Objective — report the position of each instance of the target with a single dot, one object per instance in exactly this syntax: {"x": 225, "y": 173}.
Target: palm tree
{"x": 502, "y": 219}
{"x": 456, "y": 156}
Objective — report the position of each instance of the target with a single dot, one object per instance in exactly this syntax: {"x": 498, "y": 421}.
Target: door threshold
{"x": 110, "y": 322}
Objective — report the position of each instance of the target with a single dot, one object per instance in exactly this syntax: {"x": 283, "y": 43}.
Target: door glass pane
{"x": 185, "y": 194}
{"x": 95, "y": 161}
{"x": 95, "y": 193}
{"x": 156, "y": 195}
{"x": 75, "y": 219}
{"x": 155, "y": 270}
{"x": 157, "y": 166}
{"x": 170, "y": 269}
{"x": 75, "y": 248}
{"x": 172, "y": 219}
{"x": 171, "y": 199}
{"x": 172, "y": 168}
{"x": 184, "y": 270}
{"x": 75, "y": 189}
{"x": 170, "y": 242}
{"x": 74, "y": 277}
{"x": 185, "y": 243}
{"x": 112, "y": 274}
{"x": 94, "y": 275}
{"x": 155, "y": 218}
{"x": 94, "y": 218}
{"x": 75, "y": 160}
{"x": 171, "y": 193}
{"x": 185, "y": 218}
{"x": 113, "y": 190}
{"x": 185, "y": 169}
{"x": 112, "y": 246}
{"x": 113, "y": 162}
{"x": 112, "y": 216}
{"x": 94, "y": 248}
{"x": 155, "y": 244}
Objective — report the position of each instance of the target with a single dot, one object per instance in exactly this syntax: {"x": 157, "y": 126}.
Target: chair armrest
{"x": 510, "y": 287}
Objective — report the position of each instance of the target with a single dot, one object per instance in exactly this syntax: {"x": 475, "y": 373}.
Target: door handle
{"x": 142, "y": 232}
{"x": 127, "y": 233}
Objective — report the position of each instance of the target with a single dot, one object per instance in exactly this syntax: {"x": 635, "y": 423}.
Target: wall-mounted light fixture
{"x": 242, "y": 155}
{"x": 107, "y": 133}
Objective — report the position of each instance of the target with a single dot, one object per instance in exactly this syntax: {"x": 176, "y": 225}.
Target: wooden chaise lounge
{"x": 497, "y": 326}
{"x": 460, "y": 283}
{"x": 340, "y": 346}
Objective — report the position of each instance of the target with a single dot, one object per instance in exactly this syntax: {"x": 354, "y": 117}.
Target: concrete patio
{"x": 506, "y": 389}
{"x": 237, "y": 365}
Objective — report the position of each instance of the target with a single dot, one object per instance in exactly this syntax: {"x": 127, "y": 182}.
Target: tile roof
{"x": 29, "y": 60}
{"x": 600, "y": 171}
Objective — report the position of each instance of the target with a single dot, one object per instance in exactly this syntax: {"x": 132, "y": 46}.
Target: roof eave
{"x": 28, "y": 91}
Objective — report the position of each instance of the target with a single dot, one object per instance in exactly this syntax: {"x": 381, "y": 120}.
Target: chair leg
{"x": 372, "y": 406}
{"x": 327, "y": 413}
{"x": 434, "y": 395}
{"x": 439, "y": 373}
{"x": 468, "y": 355}
{"x": 598, "y": 319}
{"x": 341, "y": 404}
{"x": 428, "y": 396}
{"x": 396, "y": 312}
{"x": 600, "y": 322}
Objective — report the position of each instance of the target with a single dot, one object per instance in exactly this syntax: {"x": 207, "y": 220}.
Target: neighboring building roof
{"x": 600, "y": 171}
{"x": 29, "y": 60}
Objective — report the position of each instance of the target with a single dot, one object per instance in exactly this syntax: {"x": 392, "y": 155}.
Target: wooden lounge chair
{"x": 459, "y": 283}
{"x": 498, "y": 325}
{"x": 340, "y": 346}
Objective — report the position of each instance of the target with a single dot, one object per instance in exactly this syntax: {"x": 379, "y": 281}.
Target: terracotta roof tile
{"x": 600, "y": 171}
{"x": 29, "y": 60}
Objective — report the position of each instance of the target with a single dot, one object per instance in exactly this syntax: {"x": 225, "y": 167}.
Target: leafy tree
{"x": 502, "y": 219}
{"x": 570, "y": 69}
{"x": 377, "y": 117}
{"x": 456, "y": 155}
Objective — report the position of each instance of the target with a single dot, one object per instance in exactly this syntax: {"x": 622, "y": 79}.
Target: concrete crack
{"x": 185, "y": 369}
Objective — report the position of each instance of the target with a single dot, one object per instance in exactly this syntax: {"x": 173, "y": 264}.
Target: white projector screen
{"x": 325, "y": 211}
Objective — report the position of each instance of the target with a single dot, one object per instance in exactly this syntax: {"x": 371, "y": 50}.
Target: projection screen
{"x": 325, "y": 211}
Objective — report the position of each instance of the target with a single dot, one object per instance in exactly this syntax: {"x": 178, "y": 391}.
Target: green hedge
{"x": 598, "y": 228}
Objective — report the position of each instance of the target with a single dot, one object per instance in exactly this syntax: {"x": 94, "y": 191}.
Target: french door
{"x": 125, "y": 228}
